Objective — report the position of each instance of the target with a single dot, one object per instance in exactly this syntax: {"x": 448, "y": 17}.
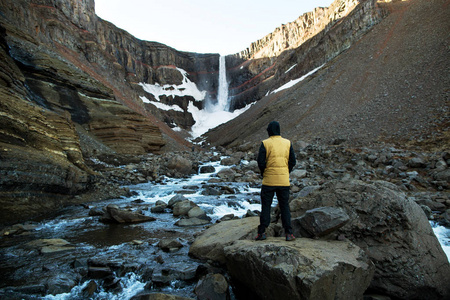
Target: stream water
{"x": 131, "y": 250}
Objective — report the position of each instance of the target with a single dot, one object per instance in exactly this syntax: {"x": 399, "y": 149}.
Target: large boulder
{"x": 395, "y": 233}
{"x": 302, "y": 269}
{"x": 180, "y": 165}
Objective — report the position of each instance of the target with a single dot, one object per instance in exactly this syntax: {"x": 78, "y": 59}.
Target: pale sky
{"x": 203, "y": 26}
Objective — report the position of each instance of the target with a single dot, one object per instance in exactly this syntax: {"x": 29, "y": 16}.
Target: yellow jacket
{"x": 277, "y": 168}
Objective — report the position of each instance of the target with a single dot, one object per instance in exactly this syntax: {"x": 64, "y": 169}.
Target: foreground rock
{"x": 276, "y": 269}
{"x": 211, "y": 243}
{"x": 159, "y": 296}
{"x": 395, "y": 233}
{"x": 303, "y": 269}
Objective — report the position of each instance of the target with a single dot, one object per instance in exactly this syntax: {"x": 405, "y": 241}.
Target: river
{"x": 131, "y": 250}
{"x": 133, "y": 245}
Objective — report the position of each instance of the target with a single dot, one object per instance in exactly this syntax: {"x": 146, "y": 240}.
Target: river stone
{"x": 191, "y": 222}
{"x": 417, "y": 162}
{"x": 229, "y": 161}
{"x": 51, "y": 245}
{"x": 211, "y": 191}
{"x": 170, "y": 245}
{"x": 116, "y": 215}
{"x": 395, "y": 233}
{"x": 227, "y": 174}
{"x": 210, "y": 244}
{"x": 446, "y": 217}
{"x": 159, "y": 207}
{"x": 175, "y": 199}
{"x": 321, "y": 221}
{"x": 212, "y": 287}
{"x": 61, "y": 283}
{"x": 197, "y": 212}
{"x": 159, "y": 296}
{"x": 167, "y": 273}
{"x": 96, "y": 212}
{"x": 298, "y": 174}
{"x": 89, "y": 290}
{"x": 182, "y": 208}
{"x": 207, "y": 169}
{"x": 300, "y": 269}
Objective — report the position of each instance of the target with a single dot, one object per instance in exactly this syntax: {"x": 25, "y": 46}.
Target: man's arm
{"x": 292, "y": 160}
{"x": 262, "y": 158}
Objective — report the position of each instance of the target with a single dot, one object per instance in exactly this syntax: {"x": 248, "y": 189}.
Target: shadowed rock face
{"x": 392, "y": 230}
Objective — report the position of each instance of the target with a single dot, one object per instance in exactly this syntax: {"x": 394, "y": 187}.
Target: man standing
{"x": 276, "y": 159}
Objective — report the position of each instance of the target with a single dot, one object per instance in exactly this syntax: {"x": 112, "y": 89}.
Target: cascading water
{"x": 222, "y": 95}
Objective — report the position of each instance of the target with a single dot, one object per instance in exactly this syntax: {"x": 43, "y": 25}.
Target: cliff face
{"x": 296, "y": 48}
{"x": 68, "y": 77}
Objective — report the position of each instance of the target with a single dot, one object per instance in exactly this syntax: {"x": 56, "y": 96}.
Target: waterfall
{"x": 222, "y": 95}
{"x": 214, "y": 112}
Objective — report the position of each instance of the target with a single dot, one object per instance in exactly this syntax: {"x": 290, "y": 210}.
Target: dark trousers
{"x": 267, "y": 193}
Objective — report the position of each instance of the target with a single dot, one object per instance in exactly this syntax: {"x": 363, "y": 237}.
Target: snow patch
{"x": 161, "y": 105}
{"x": 295, "y": 81}
{"x": 186, "y": 88}
{"x": 205, "y": 120}
{"x": 290, "y": 69}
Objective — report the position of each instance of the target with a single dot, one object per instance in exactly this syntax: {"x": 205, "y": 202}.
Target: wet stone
{"x": 170, "y": 245}
{"x": 207, "y": 169}
{"x": 90, "y": 289}
{"x": 99, "y": 272}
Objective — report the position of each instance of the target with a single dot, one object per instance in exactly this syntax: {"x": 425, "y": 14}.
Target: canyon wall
{"x": 296, "y": 48}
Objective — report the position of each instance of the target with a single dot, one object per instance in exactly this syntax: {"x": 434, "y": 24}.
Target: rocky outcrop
{"x": 393, "y": 231}
{"x": 276, "y": 269}
{"x": 302, "y": 269}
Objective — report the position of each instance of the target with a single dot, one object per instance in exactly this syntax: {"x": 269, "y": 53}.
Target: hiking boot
{"x": 260, "y": 237}
{"x": 290, "y": 237}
